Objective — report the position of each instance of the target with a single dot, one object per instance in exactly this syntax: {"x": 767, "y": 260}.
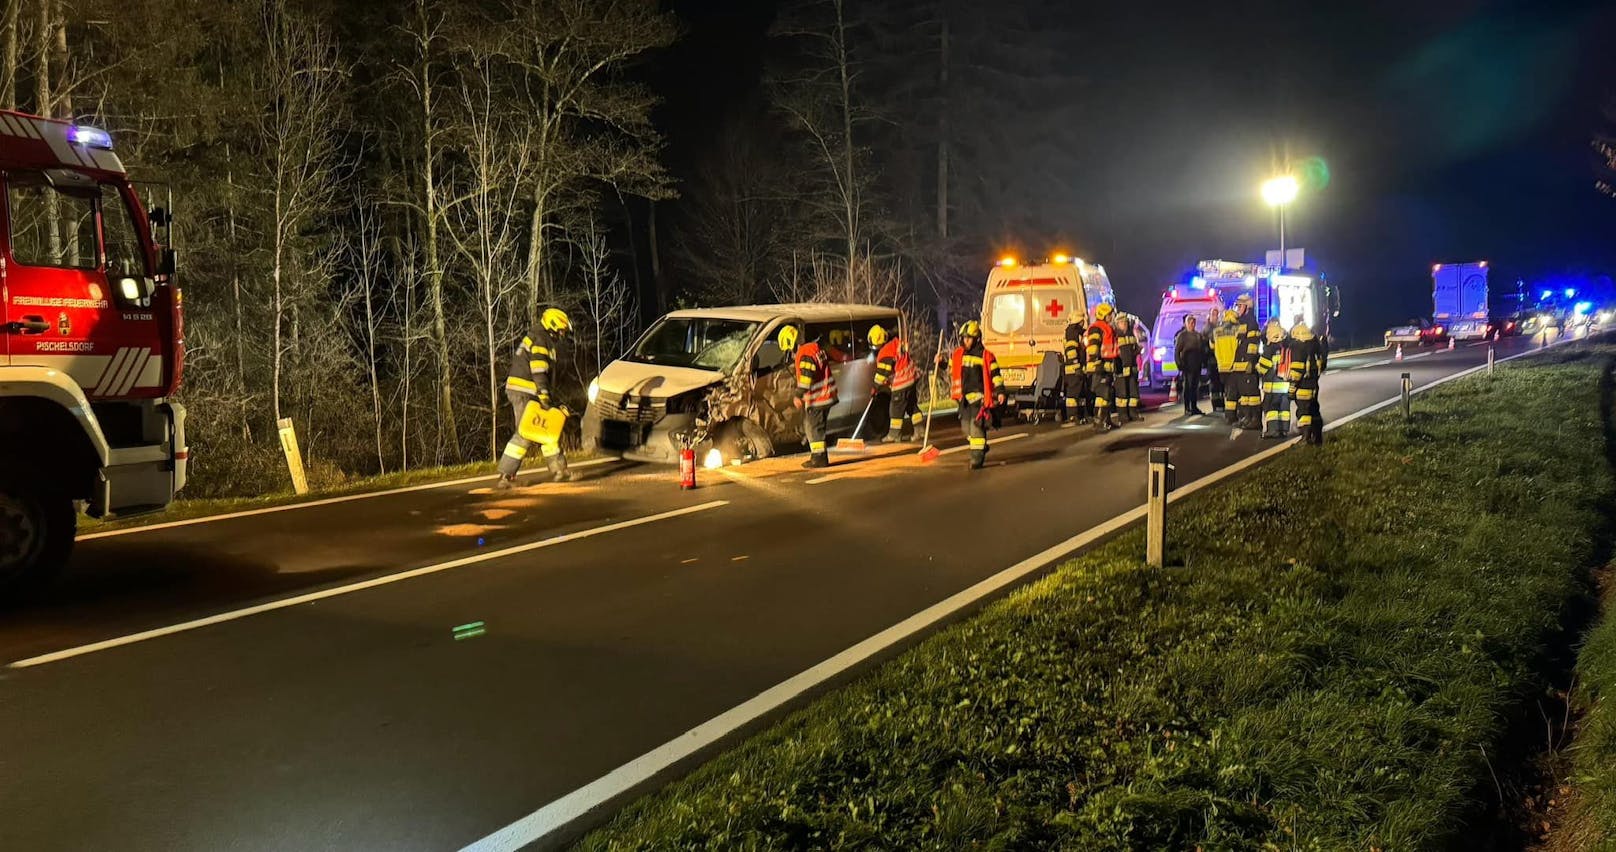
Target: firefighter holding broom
{"x": 895, "y": 373}
{"x": 975, "y": 383}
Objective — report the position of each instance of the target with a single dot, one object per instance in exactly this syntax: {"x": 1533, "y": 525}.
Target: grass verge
{"x": 1346, "y": 645}
{"x": 1591, "y": 823}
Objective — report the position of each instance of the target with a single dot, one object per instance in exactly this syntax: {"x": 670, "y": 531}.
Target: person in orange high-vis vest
{"x": 976, "y": 385}
{"x": 1102, "y": 362}
{"x": 816, "y": 392}
{"x": 895, "y": 373}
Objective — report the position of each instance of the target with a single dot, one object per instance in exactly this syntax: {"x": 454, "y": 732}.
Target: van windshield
{"x": 705, "y": 343}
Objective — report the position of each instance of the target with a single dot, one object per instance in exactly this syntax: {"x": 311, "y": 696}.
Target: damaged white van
{"x": 716, "y": 378}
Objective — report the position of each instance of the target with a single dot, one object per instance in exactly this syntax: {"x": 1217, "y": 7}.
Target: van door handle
{"x": 29, "y": 325}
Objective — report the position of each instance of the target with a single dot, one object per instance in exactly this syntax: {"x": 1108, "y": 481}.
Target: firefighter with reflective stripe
{"x": 1074, "y": 381}
{"x": 895, "y": 373}
{"x": 975, "y": 383}
{"x": 816, "y": 392}
{"x": 1101, "y": 362}
{"x": 1249, "y": 411}
{"x": 1227, "y": 337}
{"x": 1274, "y": 373}
{"x": 1308, "y": 360}
{"x": 532, "y": 366}
{"x": 1127, "y": 386}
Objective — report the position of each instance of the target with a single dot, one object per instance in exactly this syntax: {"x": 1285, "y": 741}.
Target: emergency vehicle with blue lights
{"x": 1026, "y": 308}
{"x": 91, "y": 344}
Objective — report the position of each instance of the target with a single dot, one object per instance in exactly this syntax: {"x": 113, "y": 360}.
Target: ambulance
{"x": 1178, "y": 302}
{"x": 1026, "y": 308}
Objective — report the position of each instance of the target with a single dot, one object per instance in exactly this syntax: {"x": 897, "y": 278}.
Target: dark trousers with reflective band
{"x": 1075, "y": 386}
{"x": 516, "y": 448}
{"x": 1127, "y": 390}
{"x": 975, "y": 431}
{"x": 1214, "y": 386}
{"x": 1102, "y": 387}
{"x": 815, "y": 422}
{"x": 1249, "y": 409}
{"x": 1276, "y": 407}
{"x": 1308, "y": 417}
{"x": 904, "y": 407}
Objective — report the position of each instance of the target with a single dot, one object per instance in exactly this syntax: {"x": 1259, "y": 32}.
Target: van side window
{"x": 832, "y": 337}
{"x": 1007, "y": 313}
{"x": 124, "y": 252}
{"x": 50, "y": 228}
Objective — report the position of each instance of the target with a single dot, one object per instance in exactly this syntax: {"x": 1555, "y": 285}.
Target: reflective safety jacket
{"x": 1127, "y": 347}
{"x": 1226, "y": 340}
{"x": 1102, "y": 348}
{"x": 1274, "y": 367}
{"x": 1307, "y": 361}
{"x": 814, "y": 379}
{"x": 972, "y": 373}
{"x": 893, "y": 366}
{"x": 1074, "y": 351}
{"x": 1245, "y": 356}
{"x": 531, "y": 362}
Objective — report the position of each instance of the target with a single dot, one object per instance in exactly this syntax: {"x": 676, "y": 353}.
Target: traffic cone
{"x": 1399, "y": 355}
{"x": 1450, "y": 344}
{"x": 1172, "y": 391}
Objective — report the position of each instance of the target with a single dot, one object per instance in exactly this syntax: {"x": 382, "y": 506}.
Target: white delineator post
{"x": 1160, "y": 481}
{"x": 294, "y": 456}
{"x": 1408, "y": 387}
{"x": 1491, "y": 357}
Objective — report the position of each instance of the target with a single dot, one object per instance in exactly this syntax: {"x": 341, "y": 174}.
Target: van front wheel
{"x": 743, "y": 439}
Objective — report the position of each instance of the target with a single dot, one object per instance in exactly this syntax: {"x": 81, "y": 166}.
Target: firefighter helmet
{"x": 555, "y": 320}
{"x": 1103, "y": 310}
{"x": 877, "y": 335}
{"x": 1243, "y": 299}
{"x": 1231, "y": 316}
{"x": 972, "y": 329}
{"x": 787, "y": 338}
{"x": 1274, "y": 332}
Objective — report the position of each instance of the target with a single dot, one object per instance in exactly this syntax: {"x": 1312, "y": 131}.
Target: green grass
{"x": 1347, "y": 644}
{"x": 1594, "y": 752}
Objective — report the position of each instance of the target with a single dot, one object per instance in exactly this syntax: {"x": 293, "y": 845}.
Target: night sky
{"x": 1450, "y": 131}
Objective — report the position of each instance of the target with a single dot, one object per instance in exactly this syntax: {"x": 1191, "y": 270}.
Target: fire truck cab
{"x": 91, "y": 345}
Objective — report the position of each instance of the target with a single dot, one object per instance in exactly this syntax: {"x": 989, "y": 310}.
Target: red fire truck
{"x": 91, "y": 344}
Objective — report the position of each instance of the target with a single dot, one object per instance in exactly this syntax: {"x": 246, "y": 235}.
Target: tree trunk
{"x": 8, "y": 74}
{"x": 942, "y": 130}
{"x": 277, "y": 301}
{"x": 434, "y": 272}
{"x": 64, "y": 97}
{"x": 656, "y": 261}
{"x": 235, "y": 273}
{"x": 42, "y": 77}
{"x": 849, "y": 185}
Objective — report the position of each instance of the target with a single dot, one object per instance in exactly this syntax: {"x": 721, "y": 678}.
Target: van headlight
{"x": 594, "y": 390}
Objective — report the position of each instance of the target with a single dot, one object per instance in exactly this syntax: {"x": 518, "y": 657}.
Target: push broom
{"x": 855, "y": 444}
{"x": 929, "y": 453}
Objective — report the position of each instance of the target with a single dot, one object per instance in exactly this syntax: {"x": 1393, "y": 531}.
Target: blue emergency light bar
{"x": 89, "y": 137}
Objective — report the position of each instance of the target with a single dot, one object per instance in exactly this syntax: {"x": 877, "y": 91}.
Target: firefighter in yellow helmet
{"x": 1249, "y": 412}
{"x": 1274, "y": 374}
{"x": 1075, "y": 382}
{"x": 816, "y": 389}
{"x": 1308, "y": 359}
{"x": 532, "y": 371}
{"x": 897, "y": 375}
{"x": 1102, "y": 361}
{"x": 975, "y": 383}
{"x": 1227, "y": 337}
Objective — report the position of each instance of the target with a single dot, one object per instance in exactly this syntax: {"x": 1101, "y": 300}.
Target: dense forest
{"x": 374, "y": 199}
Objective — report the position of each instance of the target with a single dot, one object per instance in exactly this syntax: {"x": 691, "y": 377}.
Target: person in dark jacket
{"x": 1189, "y": 348}
{"x": 1308, "y": 360}
{"x": 529, "y": 380}
{"x": 1074, "y": 381}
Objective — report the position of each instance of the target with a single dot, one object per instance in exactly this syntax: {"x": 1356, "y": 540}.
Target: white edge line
{"x": 624, "y": 779}
{"x": 992, "y": 442}
{"x": 325, "y": 501}
{"x": 295, "y": 600}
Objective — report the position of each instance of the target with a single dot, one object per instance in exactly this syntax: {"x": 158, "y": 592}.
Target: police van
{"x": 1026, "y": 308}
{"x": 715, "y": 379}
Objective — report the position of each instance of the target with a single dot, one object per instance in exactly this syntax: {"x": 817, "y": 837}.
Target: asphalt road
{"x": 358, "y": 720}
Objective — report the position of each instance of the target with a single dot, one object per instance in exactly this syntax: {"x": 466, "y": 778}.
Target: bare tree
{"x": 486, "y": 225}
{"x": 589, "y": 122}
{"x": 365, "y": 262}
{"x": 608, "y": 303}
{"x": 8, "y": 74}
{"x": 298, "y": 134}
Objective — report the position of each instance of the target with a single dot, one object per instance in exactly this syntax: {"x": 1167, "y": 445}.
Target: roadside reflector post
{"x": 1408, "y": 386}
{"x": 1159, "y": 484}
{"x": 294, "y": 456}
{"x": 1491, "y": 357}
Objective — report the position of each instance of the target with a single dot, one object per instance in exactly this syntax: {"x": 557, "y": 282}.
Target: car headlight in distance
{"x": 594, "y": 390}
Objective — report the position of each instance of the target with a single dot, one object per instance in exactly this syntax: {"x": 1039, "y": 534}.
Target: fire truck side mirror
{"x": 167, "y": 262}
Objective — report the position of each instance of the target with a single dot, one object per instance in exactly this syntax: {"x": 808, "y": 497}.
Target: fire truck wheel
{"x": 36, "y": 533}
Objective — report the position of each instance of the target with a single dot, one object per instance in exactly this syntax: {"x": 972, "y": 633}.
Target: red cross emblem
{"x": 1055, "y": 308}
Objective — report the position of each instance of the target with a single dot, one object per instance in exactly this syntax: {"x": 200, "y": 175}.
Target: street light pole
{"x": 1279, "y": 192}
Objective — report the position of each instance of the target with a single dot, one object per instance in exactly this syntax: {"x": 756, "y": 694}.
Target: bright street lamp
{"x": 1279, "y": 192}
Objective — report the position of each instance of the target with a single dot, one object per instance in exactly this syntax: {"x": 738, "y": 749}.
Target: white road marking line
{"x": 1351, "y": 352}
{"x": 283, "y": 603}
{"x": 309, "y": 504}
{"x": 1386, "y": 361}
{"x": 628, "y": 777}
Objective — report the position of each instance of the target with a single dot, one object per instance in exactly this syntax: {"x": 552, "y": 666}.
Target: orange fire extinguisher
{"x": 687, "y": 468}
